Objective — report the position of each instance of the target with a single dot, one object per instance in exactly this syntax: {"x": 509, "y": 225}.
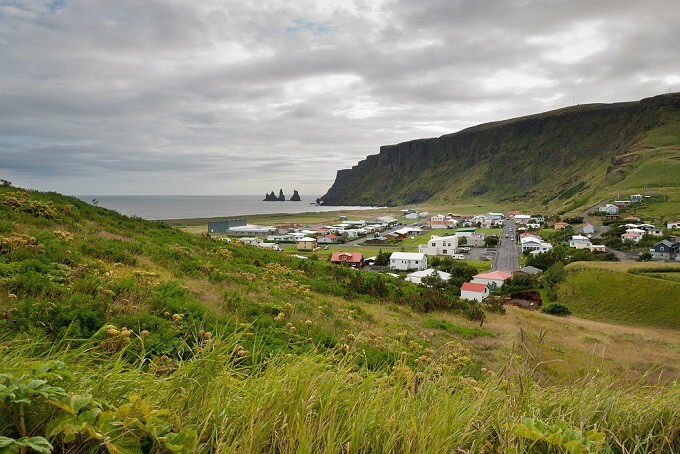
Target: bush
{"x": 556, "y": 309}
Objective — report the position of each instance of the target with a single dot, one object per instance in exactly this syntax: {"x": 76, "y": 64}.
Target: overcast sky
{"x": 241, "y": 97}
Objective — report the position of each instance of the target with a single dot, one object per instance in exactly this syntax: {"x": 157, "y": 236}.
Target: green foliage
{"x": 491, "y": 241}
{"x": 556, "y": 309}
{"x": 559, "y": 435}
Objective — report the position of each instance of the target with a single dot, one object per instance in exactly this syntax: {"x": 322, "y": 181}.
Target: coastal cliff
{"x": 576, "y": 151}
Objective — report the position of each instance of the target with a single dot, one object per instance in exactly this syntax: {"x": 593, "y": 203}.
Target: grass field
{"x": 607, "y": 292}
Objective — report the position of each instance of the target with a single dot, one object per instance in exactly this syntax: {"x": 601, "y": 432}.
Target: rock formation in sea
{"x": 271, "y": 197}
{"x": 295, "y": 197}
{"x": 282, "y": 198}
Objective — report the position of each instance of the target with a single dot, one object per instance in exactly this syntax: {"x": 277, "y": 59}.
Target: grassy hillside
{"x": 610, "y": 292}
{"x": 557, "y": 161}
{"x": 124, "y": 335}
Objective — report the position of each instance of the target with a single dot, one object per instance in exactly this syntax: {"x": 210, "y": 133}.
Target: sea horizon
{"x": 166, "y": 207}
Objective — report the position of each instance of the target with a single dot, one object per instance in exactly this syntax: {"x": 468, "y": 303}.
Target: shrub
{"x": 556, "y": 309}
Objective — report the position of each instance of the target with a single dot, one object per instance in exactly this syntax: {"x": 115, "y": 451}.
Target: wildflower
{"x": 12, "y": 296}
{"x": 144, "y": 332}
{"x": 308, "y": 322}
{"x": 176, "y": 317}
{"x": 280, "y": 317}
{"x": 112, "y": 332}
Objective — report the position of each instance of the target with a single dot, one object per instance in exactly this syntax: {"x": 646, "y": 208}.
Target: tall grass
{"x": 323, "y": 402}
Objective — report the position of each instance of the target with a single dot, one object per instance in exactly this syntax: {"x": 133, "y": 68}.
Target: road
{"x": 507, "y": 257}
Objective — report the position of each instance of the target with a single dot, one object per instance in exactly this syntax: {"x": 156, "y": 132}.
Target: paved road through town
{"x": 507, "y": 257}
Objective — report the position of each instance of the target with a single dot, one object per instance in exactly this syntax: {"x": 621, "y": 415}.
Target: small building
{"x": 622, "y": 203}
{"x": 328, "y": 239}
{"x": 272, "y": 246}
{"x": 609, "y": 209}
{"x": 561, "y": 225}
{"x": 352, "y": 259}
{"x": 632, "y": 219}
{"x": 522, "y": 218}
{"x": 495, "y": 278}
{"x": 440, "y": 245}
{"x": 474, "y": 292}
{"x": 476, "y": 240}
{"x": 408, "y": 261}
{"x": 388, "y": 220}
{"x": 411, "y": 216}
{"x": 632, "y": 235}
{"x": 580, "y": 242}
{"x": 636, "y": 198}
{"x": 531, "y": 243}
{"x": 666, "y": 250}
{"x": 598, "y": 248}
{"x": 418, "y": 276}
{"x": 252, "y": 230}
{"x": 613, "y": 217}
{"x": 253, "y": 241}
{"x": 588, "y": 228}
{"x": 224, "y": 226}
{"x": 465, "y": 231}
{"x": 673, "y": 225}
{"x": 306, "y": 244}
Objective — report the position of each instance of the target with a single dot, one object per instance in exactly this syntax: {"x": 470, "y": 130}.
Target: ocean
{"x": 156, "y": 207}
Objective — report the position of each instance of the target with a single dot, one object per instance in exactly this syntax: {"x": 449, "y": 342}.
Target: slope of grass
{"x": 150, "y": 339}
{"x": 608, "y": 293}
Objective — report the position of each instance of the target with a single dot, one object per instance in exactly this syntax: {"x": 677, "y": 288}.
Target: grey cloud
{"x": 221, "y": 96}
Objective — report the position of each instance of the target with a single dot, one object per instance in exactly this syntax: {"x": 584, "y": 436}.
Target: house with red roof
{"x": 328, "y": 238}
{"x": 353, "y": 259}
{"x": 476, "y": 292}
{"x": 496, "y": 278}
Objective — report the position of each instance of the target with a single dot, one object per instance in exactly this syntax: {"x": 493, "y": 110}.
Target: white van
{"x": 458, "y": 257}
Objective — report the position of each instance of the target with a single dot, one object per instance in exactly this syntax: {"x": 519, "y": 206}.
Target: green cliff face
{"x": 560, "y": 159}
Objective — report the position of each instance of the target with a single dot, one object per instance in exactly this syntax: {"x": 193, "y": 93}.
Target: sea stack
{"x": 271, "y": 197}
{"x": 282, "y": 198}
{"x": 295, "y": 197}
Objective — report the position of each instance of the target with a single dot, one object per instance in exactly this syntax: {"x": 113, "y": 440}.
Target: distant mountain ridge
{"x": 560, "y": 159}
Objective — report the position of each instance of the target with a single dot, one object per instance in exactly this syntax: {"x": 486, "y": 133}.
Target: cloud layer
{"x": 233, "y": 97}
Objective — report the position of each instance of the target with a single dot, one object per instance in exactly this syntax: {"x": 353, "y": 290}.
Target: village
{"x": 425, "y": 249}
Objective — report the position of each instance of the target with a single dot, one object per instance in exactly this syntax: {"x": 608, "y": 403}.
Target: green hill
{"x": 554, "y": 161}
{"x": 610, "y": 292}
{"x": 126, "y": 336}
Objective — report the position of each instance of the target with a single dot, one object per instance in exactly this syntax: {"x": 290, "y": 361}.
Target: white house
{"x": 609, "y": 209}
{"x": 588, "y": 228}
{"x": 633, "y": 235}
{"x": 580, "y": 242}
{"x": 598, "y": 248}
{"x": 440, "y": 245}
{"x": 438, "y": 218}
{"x": 494, "y": 216}
{"x": 408, "y": 261}
{"x": 272, "y": 246}
{"x": 476, "y": 292}
{"x": 636, "y": 198}
{"x": 417, "y": 276}
{"x": 522, "y": 218}
{"x": 531, "y": 243}
{"x": 495, "y": 278}
{"x": 251, "y": 240}
{"x": 411, "y": 216}
{"x": 673, "y": 225}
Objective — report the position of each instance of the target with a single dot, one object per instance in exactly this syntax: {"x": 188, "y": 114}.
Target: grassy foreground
{"x": 315, "y": 402}
{"x": 124, "y": 336}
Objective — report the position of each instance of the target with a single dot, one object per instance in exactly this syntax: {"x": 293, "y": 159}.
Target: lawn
{"x": 607, "y": 292}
